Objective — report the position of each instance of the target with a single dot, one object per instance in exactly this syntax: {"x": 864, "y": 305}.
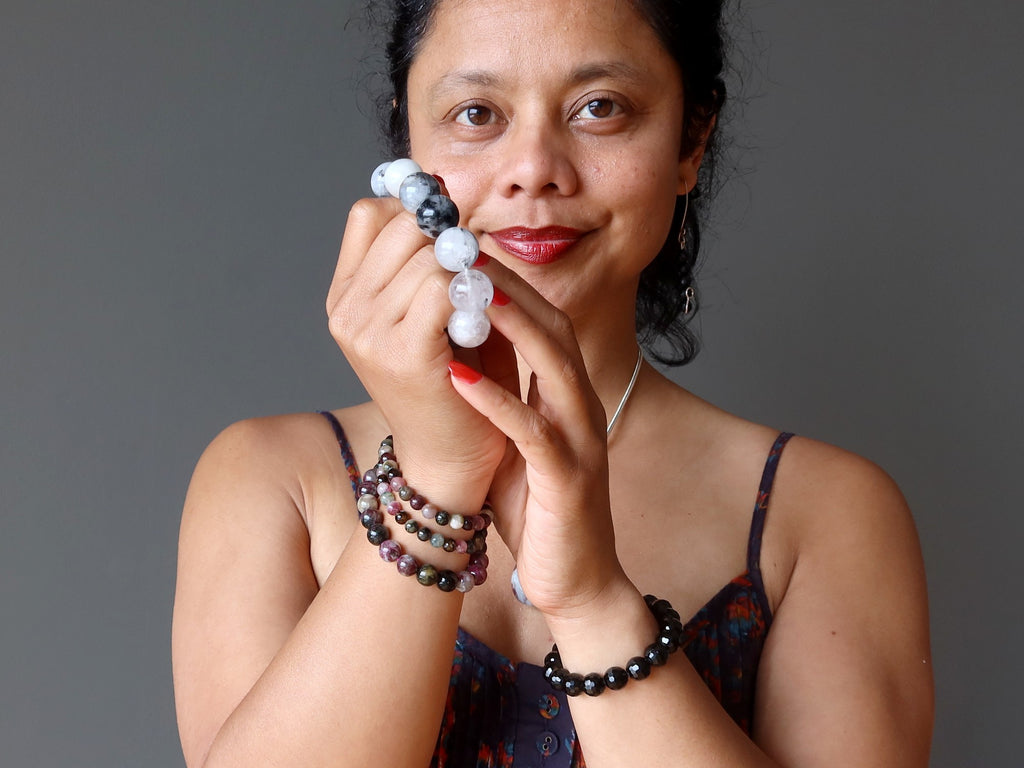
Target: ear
{"x": 690, "y": 165}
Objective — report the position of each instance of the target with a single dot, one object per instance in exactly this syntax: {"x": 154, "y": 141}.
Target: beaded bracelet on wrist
{"x": 384, "y": 484}
{"x": 669, "y": 639}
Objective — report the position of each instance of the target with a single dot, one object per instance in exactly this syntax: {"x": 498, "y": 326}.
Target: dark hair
{"x": 693, "y": 34}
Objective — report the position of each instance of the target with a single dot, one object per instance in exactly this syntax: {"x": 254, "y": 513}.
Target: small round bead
{"x": 394, "y": 506}
{"x": 616, "y": 678}
{"x": 479, "y": 522}
{"x": 436, "y": 214}
{"x": 427, "y": 575}
{"x": 401, "y": 518}
{"x": 656, "y": 654}
{"x": 573, "y": 684}
{"x": 638, "y": 668}
{"x": 430, "y": 510}
{"x": 424, "y": 534}
{"x": 417, "y": 501}
{"x": 456, "y": 522}
{"x": 377, "y": 180}
{"x": 396, "y": 483}
{"x": 449, "y": 545}
{"x": 552, "y": 660}
{"x": 468, "y": 329}
{"x": 456, "y": 249}
{"x": 412, "y": 526}
{"x": 407, "y": 565}
{"x": 396, "y": 173}
{"x": 466, "y": 581}
{"x": 387, "y": 498}
{"x": 442, "y": 517}
{"x": 479, "y": 574}
{"x": 377, "y": 534}
{"x": 447, "y": 581}
{"x": 437, "y": 540}
{"x": 366, "y": 502}
{"x": 370, "y": 476}
{"x": 593, "y": 684}
{"x": 461, "y": 546}
{"x": 371, "y": 517}
{"x": 415, "y": 188}
{"x": 390, "y": 550}
{"x": 471, "y": 290}
{"x": 660, "y": 606}
{"x": 405, "y": 493}
{"x": 483, "y": 560}
{"x": 667, "y": 642}
{"x": 366, "y": 487}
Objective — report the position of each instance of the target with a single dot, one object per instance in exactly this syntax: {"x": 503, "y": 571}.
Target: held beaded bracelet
{"x": 385, "y": 484}
{"x": 669, "y": 639}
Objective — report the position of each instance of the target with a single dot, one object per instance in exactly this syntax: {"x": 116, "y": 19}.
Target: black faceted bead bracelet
{"x": 669, "y": 639}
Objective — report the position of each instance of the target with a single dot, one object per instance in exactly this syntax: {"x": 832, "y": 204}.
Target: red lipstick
{"x": 537, "y": 246}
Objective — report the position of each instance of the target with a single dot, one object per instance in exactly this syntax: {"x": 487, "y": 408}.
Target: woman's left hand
{"x": 550, "y": 493}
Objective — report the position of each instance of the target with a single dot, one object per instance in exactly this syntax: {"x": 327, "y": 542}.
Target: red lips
{"x": 537, "y": 246}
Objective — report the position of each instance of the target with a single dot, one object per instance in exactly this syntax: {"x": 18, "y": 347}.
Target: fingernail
{"x": 440, "y": 181}
{"x": 500, "y": 297}
{"x": 463, "y": 372}
{"x": 481, "y": 259}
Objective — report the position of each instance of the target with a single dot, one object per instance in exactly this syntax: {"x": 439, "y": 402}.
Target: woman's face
{"x": 557, "y": 127}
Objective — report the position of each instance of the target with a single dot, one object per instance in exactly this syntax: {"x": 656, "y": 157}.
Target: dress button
{"x": 548, "y": 706}
{"x": 547, "y": 744}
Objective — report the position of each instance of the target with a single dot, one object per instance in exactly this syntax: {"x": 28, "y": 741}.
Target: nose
{"x": 537, "y": 159}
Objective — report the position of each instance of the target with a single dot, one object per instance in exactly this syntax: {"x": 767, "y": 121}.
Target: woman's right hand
{"x": 388, "y": 307}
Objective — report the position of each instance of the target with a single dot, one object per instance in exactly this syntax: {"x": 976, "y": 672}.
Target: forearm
{"x": 668, "y": 719}
{"x": 372, "y": 653}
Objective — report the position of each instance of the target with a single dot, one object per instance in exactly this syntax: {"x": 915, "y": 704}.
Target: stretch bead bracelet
{"x": 384, "y": 484}
{"x": 669, "y": 639}
{"x": 456, "y": 248}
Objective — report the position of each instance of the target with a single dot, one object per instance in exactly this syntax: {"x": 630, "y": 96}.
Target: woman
{"x": 571, "y": 134}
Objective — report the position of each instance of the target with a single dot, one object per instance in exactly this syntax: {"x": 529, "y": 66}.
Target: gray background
{"x": 175, "y": 178}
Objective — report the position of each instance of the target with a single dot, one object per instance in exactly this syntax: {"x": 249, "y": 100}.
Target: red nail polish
{"x": 481, "y": 259}
{"x": 463, "y": 372}
{"x": 439, "y": 180}
{"x": 500, "y": 297}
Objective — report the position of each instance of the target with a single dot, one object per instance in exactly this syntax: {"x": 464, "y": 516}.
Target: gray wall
{"x": 174, "y": 179}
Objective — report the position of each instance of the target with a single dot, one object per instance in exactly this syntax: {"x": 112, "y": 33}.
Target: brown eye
{"x": 600, "y": 108}
{"x": 474, "y": 116}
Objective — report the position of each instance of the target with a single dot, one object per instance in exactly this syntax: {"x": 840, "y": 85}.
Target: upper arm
{"x": 244, "y": 576}
{"x": 846, "y": 678}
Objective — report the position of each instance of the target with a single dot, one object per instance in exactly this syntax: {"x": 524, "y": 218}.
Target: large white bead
{"x": 471, "y": 290}
{"x": 468, "y": 329}
{"x": 416, "y": 188}
{"x": 396, "y": 173}
{"x": 377, "y": 180}
{"x": 456, "y": 249}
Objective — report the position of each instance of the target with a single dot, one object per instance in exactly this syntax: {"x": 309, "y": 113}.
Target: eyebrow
{"x": 617, "y": 70}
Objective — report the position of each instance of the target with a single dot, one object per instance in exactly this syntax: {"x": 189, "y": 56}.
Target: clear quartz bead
{"x": 456, "y": 249}
{"x": 396, "y": 172}
{"x": 468, "y": 329}
{"x": 416, "y": 188}
{"x": 377, "y": 180}
{"x": 471, "y": 290}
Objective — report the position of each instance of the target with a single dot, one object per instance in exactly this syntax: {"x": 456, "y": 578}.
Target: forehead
{"x": 538, "y": 38}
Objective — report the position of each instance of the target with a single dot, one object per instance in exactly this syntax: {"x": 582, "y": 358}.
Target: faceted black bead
{"x": 377, "y": 534}
{"x": 616, "y": 678}
{"x": 638, "y": 668}
{"x": 436, "y": 214}
{"x": 447, "y": 581}
{"x": 442, "y": 518}
{"x": 424, "y": 534}
{"x": 668, "y": 642}
{"x": 552, "y": 660}
{"x": 650, "y": 600}
{"x": 412, "y": 526}
{"x": 656, "y": 654}
{"x": 660, "y": 606}
{"x": 557, "y": 679}
{"x": 573, "y": 684}
{"x": 593, "y": 684}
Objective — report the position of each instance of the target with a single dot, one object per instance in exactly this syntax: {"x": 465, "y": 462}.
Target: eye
{"x": 475, "y": 115}
{"x": 597, "y": 109}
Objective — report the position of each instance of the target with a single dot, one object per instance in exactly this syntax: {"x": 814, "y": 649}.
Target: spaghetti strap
{"x": 347, "y": 455}
{"x": 764, "y": 493}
